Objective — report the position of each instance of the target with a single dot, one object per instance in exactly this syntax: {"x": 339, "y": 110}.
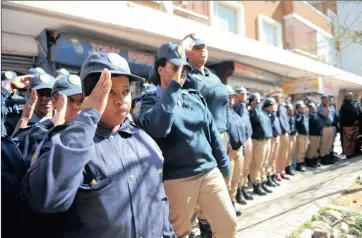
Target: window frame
{"x": 262, "y": 19}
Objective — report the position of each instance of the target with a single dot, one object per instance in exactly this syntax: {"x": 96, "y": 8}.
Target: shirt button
{"x": 131, "y": 178}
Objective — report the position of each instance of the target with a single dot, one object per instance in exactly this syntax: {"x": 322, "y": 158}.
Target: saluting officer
{"x": 302, "y": 126}
{"x": 108, "y": 172}
{"x": 262, "y": 134}
{"x": 196, "y": 161}
{"x": 241, "y": 108}
{"x": 237, "y": 135}
{"x": 315, "y": 133}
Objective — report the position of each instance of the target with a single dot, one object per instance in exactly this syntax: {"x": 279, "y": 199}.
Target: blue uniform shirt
{"x": 293, "y": 130}
{"x": 275, "y": 123}
{"x": 301, "y": 123}
{"x": 328, "y": 121}
{"x": 110, "y": 184}
{"x": 282, "y": 114}
{"x": 315, "y": 124}
{"x": 262, "y": 125}
{"x": 242, "y": 110}
{"x": 184, "y": 128}
{"x": 214, "y": 92}
{"x": 236, "y": 130}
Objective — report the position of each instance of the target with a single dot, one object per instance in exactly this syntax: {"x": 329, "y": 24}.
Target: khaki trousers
{"x": 301, "y": 147}
{"x": 260, "y": 153}
{"x": 236, "y": 167}
{"x": 334, "y": 134}
{"x": 283, "y": 153}
{"x": 247, "y": 163}
{"x": 270, "y": 163}
{"x": 313, "y": 147}
{"x": 291, "y": 149}
{"x": 326, "y": 141}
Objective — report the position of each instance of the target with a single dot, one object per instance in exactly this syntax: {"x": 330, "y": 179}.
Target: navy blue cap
{"x": 8, "y": 75}
{"x": 269, "y": 102}
{"x": 96, "y": 62}
{"x": 312, "y": 105}
{"x": 299, "y": 104}
{"x": 289, "y": 106}
{"x": 35, "y": 71}
{"x": 41, "y": 81}
{"x": 324, "y": 96}
{"x": 173, "y": 52}
{"x": 230, "y": 90}
{"x": 241, "y": 90}
{"x": 67, "y": 85}
{"x": 197, "y": 40}
{"x": 59, "y": 72}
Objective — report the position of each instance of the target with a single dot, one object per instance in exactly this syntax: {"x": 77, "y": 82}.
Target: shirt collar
{"x": 205, "y": 72}
{"x": 126, "y": 127}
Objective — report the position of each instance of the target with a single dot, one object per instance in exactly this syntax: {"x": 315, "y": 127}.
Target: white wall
{"x": 351, "y": 54}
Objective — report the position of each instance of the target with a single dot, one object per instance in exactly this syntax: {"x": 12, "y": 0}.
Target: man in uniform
{"x": 262, "y": 133}
{"x": 315, "y": 133}
{"x": 292, "y": 139}
{"x": 301, "y": 124}
{"x": 241, "y": 108}
{"x": 328, "y": 114}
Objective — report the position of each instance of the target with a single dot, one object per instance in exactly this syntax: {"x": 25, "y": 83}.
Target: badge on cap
{"x": 181, "y": 50}
{"x": 74, "y": 79}
{"x": 8, "y": 75}
{"x": 40, "y": 70}
{"x": 117, "y": 60}
{"x": 44, "y": 78}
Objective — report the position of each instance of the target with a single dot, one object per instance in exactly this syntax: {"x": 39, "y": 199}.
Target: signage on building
{"x": 330, "y": 89}
{"x": 248, "y": 71}
{"x": 300, "y": 86}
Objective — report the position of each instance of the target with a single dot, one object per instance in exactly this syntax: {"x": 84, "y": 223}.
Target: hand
{"x": 188, "y": 44}
{"x": 21, "y": 82}
{"x": 61, "y": 103}
{"x": 99, "y": 97}
{"x": 30, "y": 104}
{"x": 178, "y": 77}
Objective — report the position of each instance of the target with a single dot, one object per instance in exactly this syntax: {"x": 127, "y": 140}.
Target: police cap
{"x": 41, "y": 81}
{"x": 67, "y": 85}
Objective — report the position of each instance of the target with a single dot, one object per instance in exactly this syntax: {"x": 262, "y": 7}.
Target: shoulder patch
{"x": 137, "y": 109}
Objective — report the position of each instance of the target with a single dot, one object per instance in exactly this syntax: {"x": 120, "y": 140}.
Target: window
{"x": 270, "y": 31}
{"x": 227, "y": 16}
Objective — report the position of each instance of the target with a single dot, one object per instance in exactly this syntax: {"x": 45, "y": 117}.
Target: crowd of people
{"x": 95, "y": 163}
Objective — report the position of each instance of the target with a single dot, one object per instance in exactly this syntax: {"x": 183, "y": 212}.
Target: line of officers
{"x": 185, "y": 151}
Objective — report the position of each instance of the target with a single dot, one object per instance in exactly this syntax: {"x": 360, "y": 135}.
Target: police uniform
{"x": 292, "y": 139}
{"x": 262, "y": 134}
{"x": 195, "y": 158}
{"x": 108, "y": 183}
{"x": 315, "y": 133}
{"x": 302, "y": 126}
{"x": 242, "y": 110}
{"x": 237, "y": 134}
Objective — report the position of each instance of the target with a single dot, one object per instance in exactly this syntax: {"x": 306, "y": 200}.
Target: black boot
{"x": 288, "y": 170}
{"x": 318, "y": 162}
{"x": 312, "y": 163}
{"x": 263, "y": 186}
{"x": 325, "y": 160}
{"x": 258, "y": 190}
{"x": 238, "y": 213}
{"x": 205, "y": 229}
{"x": 275, "y": 180}
{"x": 309, "y": 163}
{"x": 246, "y": 195}
{"x": 270, "y": 182}
{"x": 331, "y": 159}
{"x": 239, "y": 197}
{"x": 300, "y": 167}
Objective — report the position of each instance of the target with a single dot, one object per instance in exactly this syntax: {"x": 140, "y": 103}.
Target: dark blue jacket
{"x": 282, "y": 114}
{"x": 301, "y": 123}
{"x": 242, "y": 110}
{"x": 184, "y": 129}
{"x": 214, "y": 92}
{"x": 110, "y": 184}
{"x": 275, "y": 123}
{"x": 315, "y": 124}
{"x": 293, "y": 130}
{"x": 262, "y": 126}
{"x": 236, "y": 130}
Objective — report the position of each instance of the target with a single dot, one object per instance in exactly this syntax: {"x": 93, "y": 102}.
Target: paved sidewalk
{"x": 278, "y": 214}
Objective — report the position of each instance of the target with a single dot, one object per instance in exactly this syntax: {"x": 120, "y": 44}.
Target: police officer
{"x": 262, "y": 134}
{"x": 315, "y": 133}
{"x": 108, "y": 172}
{"x": 67, "y": 99}
{"x": 269, "y": 168}
{"x": 195, "y": 158}
{"x": 282, "y": 114}
{"x": 292, "y": 139}
{"x": 237, "y": 135}
{"x": 241, "y": 108}
{"x": 328, "y": 114}
{"x": 301, "y": 124}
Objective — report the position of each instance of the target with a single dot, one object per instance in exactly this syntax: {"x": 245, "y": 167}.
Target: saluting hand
{"x": 30, "y": 104}
{"x": 99, "y": 97}
{"x": 21, "y": 82}
{"x": 61, "y": 103}
{"x": 178, "y": 76}
{"x": 188, "y": 43}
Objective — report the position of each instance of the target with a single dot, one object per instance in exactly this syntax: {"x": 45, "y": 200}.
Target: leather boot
{"x": 238, "y": 213}
{"x": 318, "y": 162}
{"x": 258, "y": 190}
{"x": 273, "y": 177}
{"x": 246, "y": 195}
{"x": 300, "y": 167}
{"x": 264, "y": 187}
{"x": 288, "y": 170}
{"x": 270, "y": 182}
{"x": 239, "y": 197}
{"x": 309, "y": 162}
{"x": 325, "y": 160}
{"x": 205, "y": 229}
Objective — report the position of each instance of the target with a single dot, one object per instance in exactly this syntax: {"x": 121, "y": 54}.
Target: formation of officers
{"x": 185, "y": 151}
